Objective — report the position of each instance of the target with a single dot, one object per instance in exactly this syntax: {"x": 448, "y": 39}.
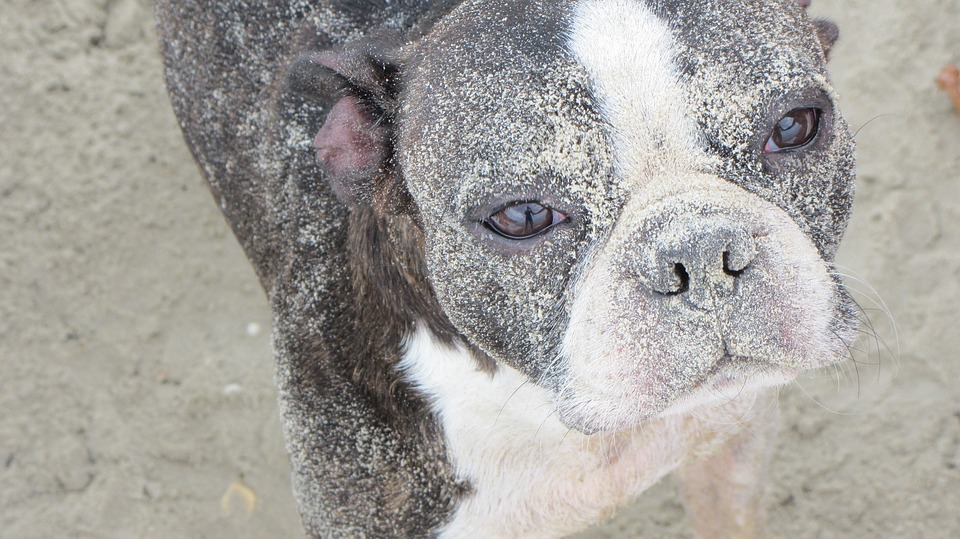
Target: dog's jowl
{"x": 525, "y": 258}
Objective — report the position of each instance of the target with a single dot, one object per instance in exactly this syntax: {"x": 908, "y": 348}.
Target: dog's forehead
{"x": 744, "y": 58}
{"x": 755, "y": 36}
{"x": 496, "y": 80}
{"x": 495, "y": 86}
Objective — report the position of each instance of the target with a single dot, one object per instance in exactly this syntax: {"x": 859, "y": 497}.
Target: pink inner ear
{"x": 328, "y": 59}
{"x": 348, "y": 142}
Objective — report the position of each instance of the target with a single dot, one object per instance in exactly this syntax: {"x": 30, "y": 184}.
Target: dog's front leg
{"x": 723, "y": 492}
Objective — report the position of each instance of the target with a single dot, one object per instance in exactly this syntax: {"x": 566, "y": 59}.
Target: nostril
{"x": 698, "y": 256}
{"x": 731, "y": 269}
{"x": 681, "y": 273}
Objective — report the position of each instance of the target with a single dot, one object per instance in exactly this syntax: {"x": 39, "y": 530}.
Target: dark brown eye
{"x": 523, "y": 220}
{"x": 794, "y": 130}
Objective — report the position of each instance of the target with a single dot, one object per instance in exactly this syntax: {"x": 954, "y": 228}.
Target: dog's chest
{"x": 530, "y": 475}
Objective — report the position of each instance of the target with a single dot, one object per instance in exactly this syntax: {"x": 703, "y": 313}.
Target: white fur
{"x": 531, "y": 476}
{"x": 629, "y": 356}
{"x": 629, "y": 54}
{"x": 622, "y": 366}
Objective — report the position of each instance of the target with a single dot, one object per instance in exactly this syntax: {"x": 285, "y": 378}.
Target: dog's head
{"x": 635, "y": 203}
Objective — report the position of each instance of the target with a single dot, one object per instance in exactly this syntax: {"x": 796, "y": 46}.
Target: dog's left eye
{"x": 522, "y": 220}
{"x": 795, "y": 130}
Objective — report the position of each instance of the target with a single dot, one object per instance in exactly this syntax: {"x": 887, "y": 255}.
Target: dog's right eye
{"x": 795, "y": 130}
{"x": 523, "y": 220}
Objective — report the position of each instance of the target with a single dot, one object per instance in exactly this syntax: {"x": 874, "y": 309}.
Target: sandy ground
{"x": 135, "y": 372}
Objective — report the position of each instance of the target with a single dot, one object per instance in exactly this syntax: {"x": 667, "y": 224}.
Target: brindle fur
{"x": 345, "y": 285}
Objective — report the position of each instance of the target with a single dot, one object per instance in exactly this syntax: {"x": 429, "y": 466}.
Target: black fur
{"x": 346, "y": 284}
{"x": 352, "y": 426}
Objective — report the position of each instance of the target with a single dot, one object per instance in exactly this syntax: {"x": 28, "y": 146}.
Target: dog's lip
{"x": 730, "y": 377}
{"x": 732, "y": 368}
{"x": 733, "y": 375}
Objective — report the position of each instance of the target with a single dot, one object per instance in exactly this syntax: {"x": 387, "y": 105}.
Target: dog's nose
{"x": 698, "y": 257}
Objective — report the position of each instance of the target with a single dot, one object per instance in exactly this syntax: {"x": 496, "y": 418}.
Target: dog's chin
{"x": 727, "y": 385}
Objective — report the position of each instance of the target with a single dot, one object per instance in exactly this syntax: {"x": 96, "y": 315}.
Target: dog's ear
{"x": 354, "y": 146}
{"x": 827, "y": 31}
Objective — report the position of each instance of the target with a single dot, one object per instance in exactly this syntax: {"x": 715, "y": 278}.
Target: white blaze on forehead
{"x": 629, "y": 54}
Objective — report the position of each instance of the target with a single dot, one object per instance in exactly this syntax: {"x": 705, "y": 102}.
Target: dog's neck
{"x": 539, "y": 477}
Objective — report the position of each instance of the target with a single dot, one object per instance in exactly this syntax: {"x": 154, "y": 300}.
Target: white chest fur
{"x": 533, "y": 477}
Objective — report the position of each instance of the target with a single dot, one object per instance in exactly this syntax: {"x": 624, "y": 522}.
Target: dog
{"x": 525, "y": 257}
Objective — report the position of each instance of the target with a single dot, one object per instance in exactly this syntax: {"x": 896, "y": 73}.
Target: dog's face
{"x": 635, "y": 203}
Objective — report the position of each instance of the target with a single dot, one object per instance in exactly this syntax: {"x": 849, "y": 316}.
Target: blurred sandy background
{"x": 136, "y": 391}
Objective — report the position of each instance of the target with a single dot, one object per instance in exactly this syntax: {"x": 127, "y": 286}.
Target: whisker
{"x": 515, "y": 391}
{"x": 542, "y": 423}
{"x": 856, "y": 366}
{"x": 848, "y": 273}
{"x": 868, "y": 327}
{"x": 824, "y": 406}
{"x": 616, "y": 446}
{"x": 560, "y": 443}
{"x": 870, "y": 121}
